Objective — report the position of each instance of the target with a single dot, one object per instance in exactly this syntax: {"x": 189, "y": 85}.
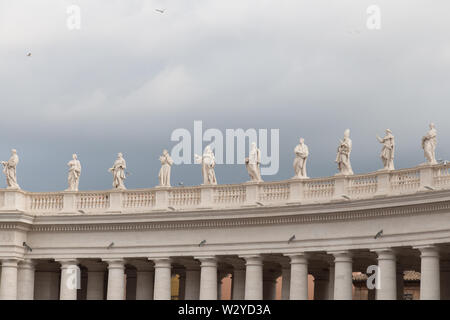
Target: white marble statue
{"x": 387, "y": 153}
{"x": 9, "y": 169}
{"x": 429, "y": 145}
{"x": 74, "y": 173}
{"x": 253, "y": 163}
{"x": 301, "y": 155}
{"x": 164, "y": 172}
{"x": 343, "y": 154}
{"x": 118, "y": 172}
{"x": 208, "y": 162}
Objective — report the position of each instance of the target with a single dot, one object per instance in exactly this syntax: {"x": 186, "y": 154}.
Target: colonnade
{"x": 253, "y": 276}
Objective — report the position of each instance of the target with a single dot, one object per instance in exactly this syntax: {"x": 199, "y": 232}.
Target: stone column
{"x": 145, "y": 274}
{"x": 96, "y": 280}
{"x": 321, "y": 283}
{"x": 163, "y": 279}
{"x": 208, "y": 278}
{"x": 70, "y": 279}
{"x": 253, "y": 277}
{"x": 182, "y": 286}
{"x": 286, "y": 281}
{"x": 270, "y": 284}
{"x": 192, "y": 282}
{"x": 238, "y": 282}
{"x": 343, "y": 285}
{"x": 25, "y": 280}
{"x": 116, "y": 279}
{"x": 445, "y": 279}
{"x": 8, "y": 284}
{"x": 429, "y": 273}
{"x": 330, "y": 289}
{"x": 387, "y": 275}
{"x": 400, "y": 282}
{"x": 299, "y": 277}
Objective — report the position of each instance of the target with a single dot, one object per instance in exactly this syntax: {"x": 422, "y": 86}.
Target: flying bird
{"x": 202, "y": 243}
{"x": 378, "y": 234}
{"x": 160, "y": 10}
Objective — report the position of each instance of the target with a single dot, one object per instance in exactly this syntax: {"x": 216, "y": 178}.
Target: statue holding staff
{"x": 301, "y": 155}
{"x": 253, "y": 163}
{"x": 208, "y": 162}
{"x": 343, "y": 154}
{"x": 164, "y": 172}
{"x": 74, "y": 173}
{"x": 387, "y": 153}
{"x": 118, "y": 172}
{"x": 429, "y": 145}
{"x": 9, "y": 169}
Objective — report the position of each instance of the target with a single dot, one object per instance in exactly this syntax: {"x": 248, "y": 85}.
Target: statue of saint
{"x": 343, "y": 155}
{"x": 253, "y": 163}
{"x": 9, "y": 169}
{"x": 301, "y": 155}
{"x": 164, "y": 172}
{"x": 118, "y": 172}
{"x": 429, "y": 145}
{"x": 74, "y": 173}
{"x": 208, "y": 162}
{"x": 387, "y": 153}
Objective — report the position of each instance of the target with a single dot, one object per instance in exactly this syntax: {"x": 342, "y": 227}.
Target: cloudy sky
{"x": 130, "y": 76}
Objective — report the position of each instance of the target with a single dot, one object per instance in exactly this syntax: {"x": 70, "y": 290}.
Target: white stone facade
{"x": 128, "y": 243}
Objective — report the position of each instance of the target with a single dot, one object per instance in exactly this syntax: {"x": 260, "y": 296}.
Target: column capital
{"x": 428, "y": 251}
{"x": 162, "y": 262}
{"x": 115, "y": 263}
{"x": 342, "y": 256}
{"x": 209, "y": 261}
{"x": 10, "y": 262}
{"x": 253, "y": 260}
{"x": 298, "y": 258}
{"x": 27, "y": 264}
{"x": 385, "y": 254}
{"x": 67, "y": 262}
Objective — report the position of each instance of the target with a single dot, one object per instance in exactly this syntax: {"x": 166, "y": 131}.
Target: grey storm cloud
{"x": 131, "y": 75}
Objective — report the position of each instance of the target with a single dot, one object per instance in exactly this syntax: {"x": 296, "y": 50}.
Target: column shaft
{"x": 253, "y": 278}
{"x": 25, "y": 280}
{"x": 299, "y": 277}
{"x": 116, "y": 280}
{"x": 429, "y": 274}
{"x": 208, "y": 278}
{"x": 238, "y": 283}
{"x": 343, "y": 285}
{"x": 8, "y": 283}
{"x": 70, "y": 280}
{"x": 163, "y": 279}
{"x": 387, "y": 288}
{"x": 192, "y": 284}
{"x": 285, "y": 282}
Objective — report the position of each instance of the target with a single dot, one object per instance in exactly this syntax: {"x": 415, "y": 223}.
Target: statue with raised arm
{"x": 208, "y": 162}
{"x": 253, "y": 163}
{"x": 343, "y": 154}
{"x": 429, "y": 145}
{"x": 301, "y": 155}
{"x": 118, "y": 172}
{"x": 387, "y": 153}
{"x": 9, "y": 169}
{"x": 74, "y": 173}
{"x": 164, "y": 172}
